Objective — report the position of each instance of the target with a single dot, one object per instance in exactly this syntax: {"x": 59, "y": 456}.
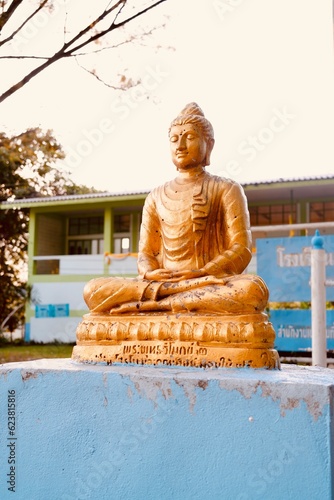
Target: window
{"x": 265, "y": 215}
{"x": 122, "y": 223}
{"x": 85, "y": 235}
{"x": 322, "y": 211}
{"x": 122, "y": 233}
{"x": 85, "y": 225}
{"x": 121, "y": 245}
{"x": 85, "y": 246}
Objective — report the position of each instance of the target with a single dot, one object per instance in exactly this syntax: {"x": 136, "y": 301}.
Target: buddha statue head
{"x": 193, "y": 120}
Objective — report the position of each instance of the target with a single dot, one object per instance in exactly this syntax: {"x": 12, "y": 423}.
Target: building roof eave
{"x": 250, "y": 187}
{"x": 71, "y": 199}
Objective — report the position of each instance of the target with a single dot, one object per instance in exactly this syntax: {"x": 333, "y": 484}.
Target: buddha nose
{"x": 181, "y": 143}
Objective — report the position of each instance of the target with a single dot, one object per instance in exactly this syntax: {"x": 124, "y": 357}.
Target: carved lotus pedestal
{"x": 177, "y": 339}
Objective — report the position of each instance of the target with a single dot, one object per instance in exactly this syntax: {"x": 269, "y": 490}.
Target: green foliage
{"x": 290, "y": 305}
{"x": 296, "y": 305}
{"x": 19, "y": 351}
{"x": 28, "y": 168}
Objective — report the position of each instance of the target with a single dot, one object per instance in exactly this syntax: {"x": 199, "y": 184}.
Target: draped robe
{"x": 199, "y": 223}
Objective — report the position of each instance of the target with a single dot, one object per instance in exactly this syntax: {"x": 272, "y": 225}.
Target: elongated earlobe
{"x": 210, "y": 144}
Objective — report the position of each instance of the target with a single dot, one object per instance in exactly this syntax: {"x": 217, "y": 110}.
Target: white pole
{"x": 318, "y": 302}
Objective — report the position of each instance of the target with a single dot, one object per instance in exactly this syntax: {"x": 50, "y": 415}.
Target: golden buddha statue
{"x": 195, "y": 243}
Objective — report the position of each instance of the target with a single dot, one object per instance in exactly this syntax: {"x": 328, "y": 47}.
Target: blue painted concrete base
{"x": 77, "y": 432}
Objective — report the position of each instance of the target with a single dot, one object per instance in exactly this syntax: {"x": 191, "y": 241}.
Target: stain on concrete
{"x": 189, "y": 389}
{"x": 130, "y": 393}
{"x": 152, "y": 388}
{"x": 289, "y": 394}
{"x": 155, "y": 387}
{"x": 26, "y": 375}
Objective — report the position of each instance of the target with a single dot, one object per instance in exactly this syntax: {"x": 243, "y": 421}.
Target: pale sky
{"x": 261, "y": 70}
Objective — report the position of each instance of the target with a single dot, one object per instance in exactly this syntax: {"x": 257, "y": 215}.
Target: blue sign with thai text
{"x": 293, "y": 329}
{"x": 52, "y": 310}
{"x": 285, "y": 266}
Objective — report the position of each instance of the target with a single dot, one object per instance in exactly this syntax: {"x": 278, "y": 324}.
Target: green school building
{"x": 73, "y": 239}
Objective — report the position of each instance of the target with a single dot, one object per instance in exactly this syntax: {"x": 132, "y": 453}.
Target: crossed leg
{"x": 235, "y": 294}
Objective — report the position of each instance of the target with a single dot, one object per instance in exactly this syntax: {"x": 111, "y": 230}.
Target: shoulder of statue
{"x": 155, "y": 192}
{"x": 223, "y": 182}
{"x": 155, "y": 195}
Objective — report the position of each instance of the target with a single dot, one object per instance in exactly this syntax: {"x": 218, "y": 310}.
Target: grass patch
{"x": 12, "y": 352}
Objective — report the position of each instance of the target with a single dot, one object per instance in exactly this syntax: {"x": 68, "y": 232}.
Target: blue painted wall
{"x": 98, "y": 432}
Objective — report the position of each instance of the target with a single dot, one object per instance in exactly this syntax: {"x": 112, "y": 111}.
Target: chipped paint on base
{"x": 172, "y": 432}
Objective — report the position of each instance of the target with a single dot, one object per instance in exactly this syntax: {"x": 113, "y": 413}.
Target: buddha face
{"x": 188, "y": 147}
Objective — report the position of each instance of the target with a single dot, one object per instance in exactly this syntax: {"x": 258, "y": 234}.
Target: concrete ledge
{"x": 71, "y": 431}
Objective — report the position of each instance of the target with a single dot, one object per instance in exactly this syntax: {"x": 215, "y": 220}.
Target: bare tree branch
{"x": 92, "y": 25}
{"x": 7, "y": 14}
{"x": 69, "y": 49}
{"x": 114, "y": 26}
{"x": 95, "y": 75}
{"x": 136, "y": 38}
{"x": 10, "y": 37}
{"x": 25, "y": 57}
{"x": 102, "y": 49}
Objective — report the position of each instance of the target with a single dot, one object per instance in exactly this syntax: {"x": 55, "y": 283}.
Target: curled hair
{"x": 193, "y": 114}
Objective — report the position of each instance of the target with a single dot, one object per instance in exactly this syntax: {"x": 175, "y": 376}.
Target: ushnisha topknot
{"x": 193, "y": 114}
{"x": 192, "y": 109}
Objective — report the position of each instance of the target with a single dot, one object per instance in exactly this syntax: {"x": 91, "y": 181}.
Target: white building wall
{"x": 48, "y": 330}
{"x": 60, "y": 293}
{"x": 81, "y": 264}
{"x": 61, "y": 329}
